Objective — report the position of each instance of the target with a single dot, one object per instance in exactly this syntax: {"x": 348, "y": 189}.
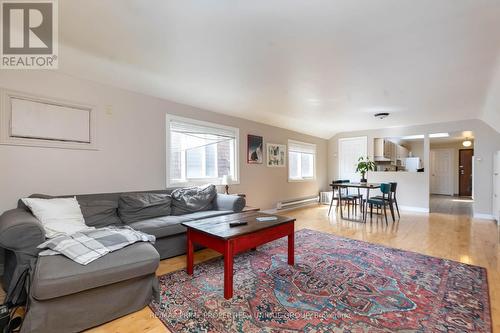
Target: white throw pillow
{"x": 58, "y": 215}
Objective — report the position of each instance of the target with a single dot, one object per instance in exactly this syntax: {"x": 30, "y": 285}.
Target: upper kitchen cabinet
{"x": 383, "y": 149}
{"x": 398, "y": 153}
{"x": 401, "y": 152}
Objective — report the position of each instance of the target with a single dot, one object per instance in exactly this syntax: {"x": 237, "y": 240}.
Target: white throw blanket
{"x": 86, "y": 246}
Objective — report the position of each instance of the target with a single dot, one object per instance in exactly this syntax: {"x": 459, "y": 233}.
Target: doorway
{"x": 441, "y": 165}
{"x": 451, "y": 173}
{"x": 465, "y": 172}
{"x": 350, "y": 150}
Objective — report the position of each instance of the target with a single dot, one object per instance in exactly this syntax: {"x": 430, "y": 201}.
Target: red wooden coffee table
{"x": 215, "y": 233}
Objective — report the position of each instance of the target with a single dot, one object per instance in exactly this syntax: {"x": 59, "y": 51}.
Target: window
{"x": 301, "y": 161}
{"x": 200, "y": 152}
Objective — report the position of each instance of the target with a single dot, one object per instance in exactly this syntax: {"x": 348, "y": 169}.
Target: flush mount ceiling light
{"x": 467, "y": 143}
{"x": 439, "y": 135}
{"x": 413, "y": 137}
{"x": 381, "y": 115}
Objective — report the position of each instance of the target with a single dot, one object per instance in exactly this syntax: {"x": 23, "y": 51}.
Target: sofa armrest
{"x": 229, "y": 202}
{"x": 20, "y": 231}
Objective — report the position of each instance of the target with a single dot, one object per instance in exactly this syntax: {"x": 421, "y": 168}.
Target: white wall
{"x": 132, "y": 147}
{"x": 416, "y": 147}
{"x": 486, "y": 142}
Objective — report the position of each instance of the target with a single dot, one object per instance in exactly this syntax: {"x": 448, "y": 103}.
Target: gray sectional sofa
{"x": 68, "y": 297}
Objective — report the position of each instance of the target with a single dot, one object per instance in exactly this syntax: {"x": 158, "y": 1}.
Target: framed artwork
{"x": 276, "y": 155}
{"x": 255, "y": 154}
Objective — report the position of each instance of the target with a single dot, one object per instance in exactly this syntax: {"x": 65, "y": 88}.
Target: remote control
{"x": 236, "y": 224}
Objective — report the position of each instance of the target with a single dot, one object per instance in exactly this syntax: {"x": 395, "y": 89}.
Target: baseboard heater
{"x": 294, "y": 203}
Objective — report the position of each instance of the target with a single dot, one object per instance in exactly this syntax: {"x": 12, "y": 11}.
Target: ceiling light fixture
{"x": 467, "y": 143}
{"x": 413, "y": 137}
{"x": 439, "y": 135}
{"x": 381, "y": 115}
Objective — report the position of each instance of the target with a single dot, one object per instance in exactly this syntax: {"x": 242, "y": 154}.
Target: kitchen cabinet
{"x": 382, "y": 149}
{"x": 388, "y": 151}
{"x": 401, "y": 152}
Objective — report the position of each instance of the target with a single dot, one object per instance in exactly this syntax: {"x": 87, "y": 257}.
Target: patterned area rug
{"x": 337, "y": 285}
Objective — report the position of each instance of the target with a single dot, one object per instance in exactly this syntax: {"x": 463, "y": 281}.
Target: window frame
{"x": 200, "y": 181}
{"x": 302, "y": 179}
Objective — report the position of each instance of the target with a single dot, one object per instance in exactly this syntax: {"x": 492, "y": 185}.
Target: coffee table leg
{"x": 291, "y": 249}
{"x": 190, "y": 250}
{"x": 228, "y": 270}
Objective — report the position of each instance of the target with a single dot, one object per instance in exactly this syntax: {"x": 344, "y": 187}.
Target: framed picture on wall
{"x": 254, "y": 149}
{"x": 276, "y": 155}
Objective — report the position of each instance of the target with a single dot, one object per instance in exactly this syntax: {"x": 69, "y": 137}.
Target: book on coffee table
{"x": 266, "y": 218}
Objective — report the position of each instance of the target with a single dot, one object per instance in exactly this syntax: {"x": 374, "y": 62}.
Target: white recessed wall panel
{"x": 38, "y": 120}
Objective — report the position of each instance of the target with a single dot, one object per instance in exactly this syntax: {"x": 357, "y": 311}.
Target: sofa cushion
{"x": 162, "y": 226}
{"x": 57, "y": 276}
{"x": 207, "y": 214}
{"x": 134, "y": 207}
{"x": 100, "y": 213}
{"x": 193, "y": 199}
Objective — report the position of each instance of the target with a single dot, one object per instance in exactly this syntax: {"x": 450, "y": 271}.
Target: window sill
{"x": 199, "y": 183}
{"x": 302, "y": 180}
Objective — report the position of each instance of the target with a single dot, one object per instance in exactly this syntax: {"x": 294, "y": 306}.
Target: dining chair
{"x": 392, "y": 198}
{"x": 382, "y": 202}
{"x": 357, "y": 199}
{"x": 346, "y": 198}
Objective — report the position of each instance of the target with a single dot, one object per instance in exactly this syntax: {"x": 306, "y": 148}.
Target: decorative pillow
{"x": 100, "y": 213}
{"x": 193, "y": 199}
{"x": 135, "y": 207}
{"x": 58, "y": 216}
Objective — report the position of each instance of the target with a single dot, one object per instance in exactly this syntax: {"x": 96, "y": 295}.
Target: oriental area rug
{"x": 336, "y": 285}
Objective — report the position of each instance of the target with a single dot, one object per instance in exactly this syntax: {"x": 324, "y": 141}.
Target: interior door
{"x": 350, "y": 150}
{"x": 465, "y": 172}
{"x": 441, "y": 165}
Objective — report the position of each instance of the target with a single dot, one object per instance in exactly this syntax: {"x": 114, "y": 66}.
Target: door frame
{"x": 432, "y": 162}
{"x": 496, "y": 186}
{"x": 340, "y": 153}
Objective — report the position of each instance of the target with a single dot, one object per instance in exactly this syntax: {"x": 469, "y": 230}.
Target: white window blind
{"x": 301, "y": 161}
{"x": 200, "y": 152}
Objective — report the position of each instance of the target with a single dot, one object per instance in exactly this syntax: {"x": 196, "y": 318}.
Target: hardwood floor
{"x": 455, "y": 237}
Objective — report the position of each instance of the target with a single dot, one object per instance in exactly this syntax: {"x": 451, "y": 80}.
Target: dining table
{"x": 359, "y": 186}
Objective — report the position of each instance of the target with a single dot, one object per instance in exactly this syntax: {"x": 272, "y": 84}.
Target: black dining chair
{"x": 382, "y": 202}
{"x": 392, "y": 198}
{"x": 345, "y": 197}
{"x": 357, "y": 199}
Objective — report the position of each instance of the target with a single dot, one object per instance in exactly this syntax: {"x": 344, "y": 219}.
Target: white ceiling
{"x": 317, "y": 67}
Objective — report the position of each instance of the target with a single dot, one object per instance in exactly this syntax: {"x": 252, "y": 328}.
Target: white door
{"x": 350, "y": 150}
{"x": 441, "y": 165}
{"x": 496, "y": 185}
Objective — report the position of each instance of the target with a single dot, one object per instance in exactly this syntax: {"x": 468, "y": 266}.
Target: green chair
{"x": 392, "y": 198}
{"x": 382, "y": 202}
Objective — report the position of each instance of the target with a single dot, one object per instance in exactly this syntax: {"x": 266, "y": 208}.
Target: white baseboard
{"x": 414, "y": 209}
{"x": 484, "y": 216}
